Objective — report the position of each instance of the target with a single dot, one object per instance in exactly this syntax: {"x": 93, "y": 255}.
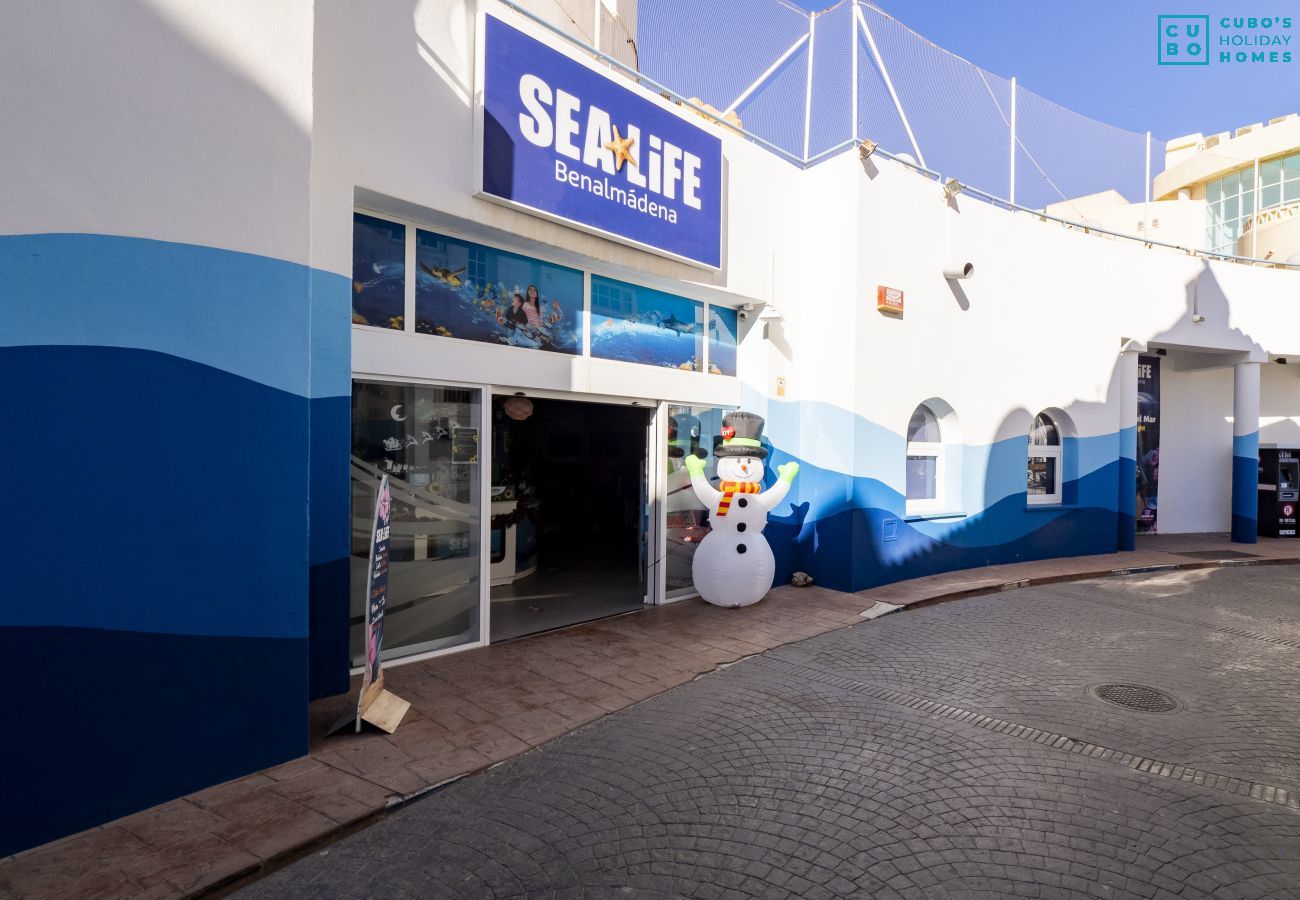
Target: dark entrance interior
{"x": 567, "y": 512}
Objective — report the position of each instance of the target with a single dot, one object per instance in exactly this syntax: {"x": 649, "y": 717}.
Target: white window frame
{"x": 935, "y": 451}
{"x": 1047, "y": 451}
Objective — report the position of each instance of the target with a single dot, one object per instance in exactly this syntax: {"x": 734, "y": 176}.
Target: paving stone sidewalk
{"x": 474, "y": 709}
{"x": 952, "y": 751}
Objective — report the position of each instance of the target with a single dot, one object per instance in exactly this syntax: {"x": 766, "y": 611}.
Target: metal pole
{"x": 595, "y": 24}
{"x": 1012, "y": 195}
{"x": 744, "y": 95}
{"x": 853, "y": 90}
{"x": 889, "y": 85}
{"x": 807, "y": 100}
{"x": 1146, "y": 204}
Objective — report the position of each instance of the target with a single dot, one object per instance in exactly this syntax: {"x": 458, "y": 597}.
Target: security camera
{"x": 743, "y": 313}
{"x": 959, "y": 270}
{"x": 748, "y": 309}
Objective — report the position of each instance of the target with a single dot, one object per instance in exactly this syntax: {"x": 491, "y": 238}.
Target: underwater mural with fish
{"x": 378, "y": 272}
{"x": 478, "y": 293}
{"x": 641, "y": 325}
{"x": 723, "y": 324}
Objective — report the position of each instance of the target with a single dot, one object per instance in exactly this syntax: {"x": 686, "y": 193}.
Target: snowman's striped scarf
{"x": 730, "y": 488}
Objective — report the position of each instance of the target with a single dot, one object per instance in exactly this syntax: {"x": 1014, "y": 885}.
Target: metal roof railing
{"x": 873, "y": 91}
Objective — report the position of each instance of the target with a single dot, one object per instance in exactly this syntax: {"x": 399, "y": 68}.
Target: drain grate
{"x": 1218, "y": 554}
{"x": 1138, "y": 697}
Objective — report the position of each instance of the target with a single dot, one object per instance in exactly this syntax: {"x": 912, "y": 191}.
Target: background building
{"x": 1249, "y": 182}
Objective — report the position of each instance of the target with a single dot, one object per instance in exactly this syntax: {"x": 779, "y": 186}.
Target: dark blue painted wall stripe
{"x": 157, "y": 495}
{"x": 131, "y": 720}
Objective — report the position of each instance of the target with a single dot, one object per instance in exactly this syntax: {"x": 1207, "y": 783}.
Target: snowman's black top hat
{"x": 741, "y": 434}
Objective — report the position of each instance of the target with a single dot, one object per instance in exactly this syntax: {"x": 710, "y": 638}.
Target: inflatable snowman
{"x": 733, "y": 566}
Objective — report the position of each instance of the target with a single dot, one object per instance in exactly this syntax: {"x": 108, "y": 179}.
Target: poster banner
{"x": 378, "y": 272}
{"x": 1148, "y": 442}
{"x": 377, "y": 585}
{"x": 476, "y": 293}
{"x": 723, "y": 330}
{"x": 569, "y": 142}
{"x": 641, "y": 325}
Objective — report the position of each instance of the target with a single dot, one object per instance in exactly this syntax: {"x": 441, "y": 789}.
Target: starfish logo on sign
{"x": 621, "y": 147}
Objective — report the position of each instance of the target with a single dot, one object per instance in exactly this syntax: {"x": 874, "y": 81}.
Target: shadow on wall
{"x": 851, "y": 532}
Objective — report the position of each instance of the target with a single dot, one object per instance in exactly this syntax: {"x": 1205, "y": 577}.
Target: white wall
{"x": 1279, "y": 405}
{"x": 394, "y": 86}
{"x": 1039, "y": 325}
{"x": 1195, "y": 449}
{"x": 163, "y": 119}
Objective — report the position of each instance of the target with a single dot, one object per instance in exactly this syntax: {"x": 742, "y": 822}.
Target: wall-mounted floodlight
{"x": 951, "y": 188}
{"x": 866, "y": 148}
{"x": 959, "y": 270}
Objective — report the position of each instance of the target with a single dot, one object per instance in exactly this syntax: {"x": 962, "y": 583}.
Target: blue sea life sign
{"x": 466, "y": 290}
{"x": 570, "y": 143}
{"x": 641, "y": 325}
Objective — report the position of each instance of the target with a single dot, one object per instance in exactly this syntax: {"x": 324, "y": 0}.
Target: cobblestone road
{"x": 955, "y": 750}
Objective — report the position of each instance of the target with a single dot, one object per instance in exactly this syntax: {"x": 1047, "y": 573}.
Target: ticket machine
{"x": 1279, "y": 490}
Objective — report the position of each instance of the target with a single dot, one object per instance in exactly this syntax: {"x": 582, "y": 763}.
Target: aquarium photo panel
{"x": 723, "y": 322}
{"x": 640, "y": 325}
{"x": 469, "y": 291}
{"x": 378, "y": 272}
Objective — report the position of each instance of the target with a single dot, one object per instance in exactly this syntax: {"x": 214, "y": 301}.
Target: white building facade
{"x": 248, "y": 267}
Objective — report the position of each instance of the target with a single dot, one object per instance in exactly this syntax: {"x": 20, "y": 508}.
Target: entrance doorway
{"x": 568, "y": 506}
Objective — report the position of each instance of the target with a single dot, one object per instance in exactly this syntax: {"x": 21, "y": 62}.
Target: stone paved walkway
{"x": 954, "y": 750}
{"x": 475, "y": 709}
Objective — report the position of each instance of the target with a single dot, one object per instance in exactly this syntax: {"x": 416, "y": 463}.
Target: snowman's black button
{"x": 740, "y": 548}
{"x": 742, "y": 503}
{"x": 741, "y": 527}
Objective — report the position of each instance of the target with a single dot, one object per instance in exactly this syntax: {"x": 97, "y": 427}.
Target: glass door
{"x": 691, "y": 430}
{"x": 426, "y": 439}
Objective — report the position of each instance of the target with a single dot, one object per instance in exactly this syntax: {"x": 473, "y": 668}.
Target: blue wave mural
{"x": 170, "y": 556}
{"x": 851, "y": 532}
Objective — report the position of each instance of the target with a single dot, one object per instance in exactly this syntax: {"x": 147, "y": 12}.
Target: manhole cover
{"x": 1139, "y": 697}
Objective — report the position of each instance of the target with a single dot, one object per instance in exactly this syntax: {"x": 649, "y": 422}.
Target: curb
{"x": 1100, "y": 573}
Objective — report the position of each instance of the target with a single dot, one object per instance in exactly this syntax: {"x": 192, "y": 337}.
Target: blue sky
{"x": 1098, "y": 57}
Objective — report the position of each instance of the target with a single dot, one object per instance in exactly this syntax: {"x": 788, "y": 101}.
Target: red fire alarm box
{"x": 889, "y": 300}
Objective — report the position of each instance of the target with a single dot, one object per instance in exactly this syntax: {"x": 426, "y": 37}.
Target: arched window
{"x": 1044, "y": 478}
{"x": 925, "y": 467}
